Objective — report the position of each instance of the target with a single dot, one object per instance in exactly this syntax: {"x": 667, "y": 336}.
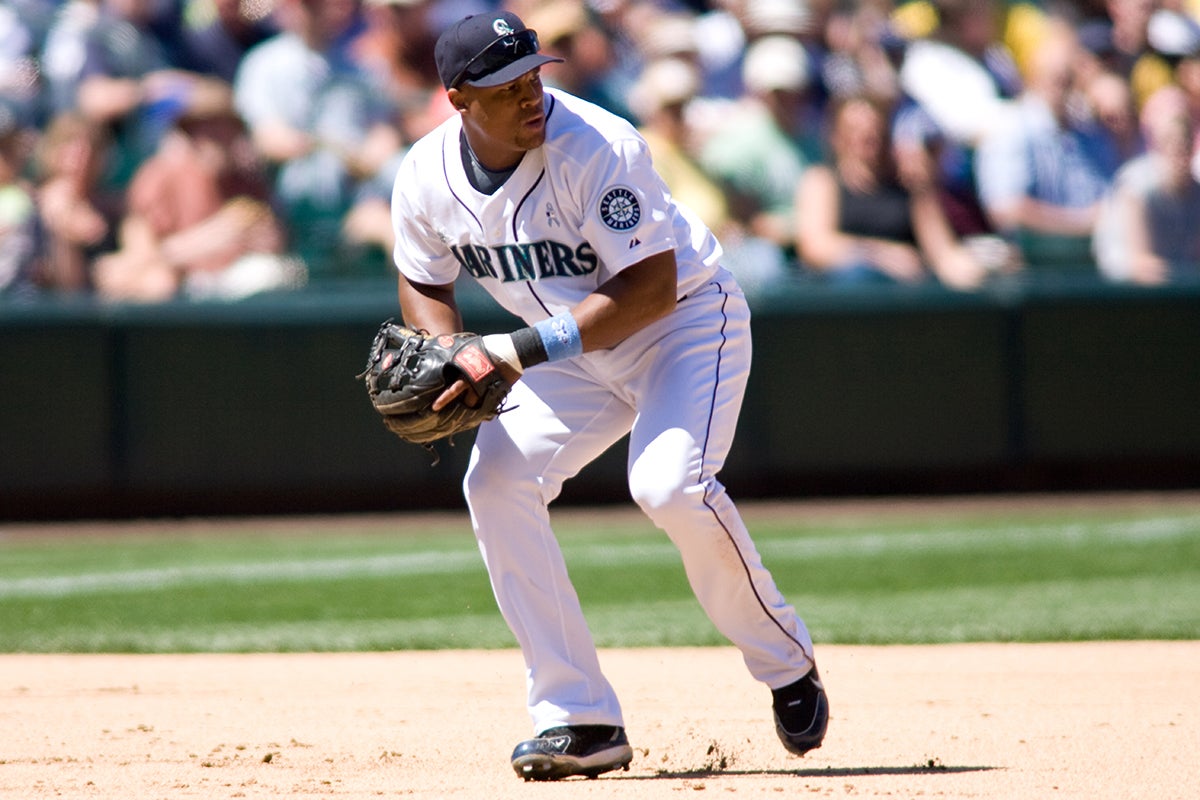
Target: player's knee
{"x": 659, "y": 495}
{"x": 662, "y": 504}
{"x": 661, "y": 477}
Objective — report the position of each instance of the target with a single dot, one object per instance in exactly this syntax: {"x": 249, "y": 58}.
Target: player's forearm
{"x": 623, "y": 305}
{"x": 628, "y": 302}
{"x": 429, "y": 308}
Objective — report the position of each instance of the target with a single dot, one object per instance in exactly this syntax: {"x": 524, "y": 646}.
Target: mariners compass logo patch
{"x": 619, "y": 209}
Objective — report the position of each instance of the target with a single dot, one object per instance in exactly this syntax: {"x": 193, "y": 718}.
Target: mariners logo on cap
{"x": 619, "y": 209}
{"x": 502, "y": 28}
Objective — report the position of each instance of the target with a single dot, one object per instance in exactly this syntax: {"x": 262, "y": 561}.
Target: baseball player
{"x": 553, "y": 206}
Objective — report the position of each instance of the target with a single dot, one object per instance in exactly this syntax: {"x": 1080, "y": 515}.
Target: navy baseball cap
{"x": 487, "y": 50}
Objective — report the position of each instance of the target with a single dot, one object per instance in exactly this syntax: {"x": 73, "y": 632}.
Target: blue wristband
{"x": 560, "y": 336}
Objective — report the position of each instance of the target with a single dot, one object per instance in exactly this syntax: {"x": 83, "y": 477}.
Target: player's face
{"x": 503, "y": 122}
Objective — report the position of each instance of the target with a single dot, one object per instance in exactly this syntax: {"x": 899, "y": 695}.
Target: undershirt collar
{"x": 483, "y": 179}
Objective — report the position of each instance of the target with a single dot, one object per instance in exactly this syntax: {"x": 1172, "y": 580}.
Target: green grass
{"x": 969, "y": 575}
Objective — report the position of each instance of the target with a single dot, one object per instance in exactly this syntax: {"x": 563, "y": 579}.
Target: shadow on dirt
{"x": 935, "y": 768}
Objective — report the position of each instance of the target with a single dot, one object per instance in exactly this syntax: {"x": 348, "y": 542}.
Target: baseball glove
{"x": 407, "y": 370}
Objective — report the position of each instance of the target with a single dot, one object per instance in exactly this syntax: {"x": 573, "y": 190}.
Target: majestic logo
{"x": 619, "y": 209}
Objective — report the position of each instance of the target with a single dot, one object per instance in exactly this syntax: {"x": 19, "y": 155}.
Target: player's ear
{"x": 457, "y": 99}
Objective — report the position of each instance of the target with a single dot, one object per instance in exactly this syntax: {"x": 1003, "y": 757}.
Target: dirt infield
{"x": 1028, "y": 721}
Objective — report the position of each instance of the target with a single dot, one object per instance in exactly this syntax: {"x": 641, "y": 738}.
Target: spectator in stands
{"x": 62, "y": 54}
{"x": 129, "y": 79}
{"x": 219, "y": 32}
{"x": 19, "y": 229}
{"x": 925, "y": 156}
{"x": 808, "y": 22}
{"x": 23, "y": 25}
{"x": 318, "y": 119}
{"x": 957, "y": 80}
{"x": 1041, "y": 172}
{"x": 394, "y": 52}
{"x": 1177, "y": 36}
{"x": 864, "y": 52}
{"x": 199, "y": 223}
{"x": 961, "y": 74}
{"x": 661, "y": 99}
{"x": 1148, "y": 231}
{"x": 760, "y": 148}
{"x": 857, "y": 223}
{"x": 1109, "y": 100}
{"x": 78, "y": 210}
{"x": 1118, "y": 40}
{"x": 589, "y": 68}
{"x": 396, "y": 49}
{"x": 1188, "y": 76}
{"x": 624, "y": 36}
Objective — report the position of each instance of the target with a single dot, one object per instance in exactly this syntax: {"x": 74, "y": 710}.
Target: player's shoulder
{"x": 579, "y": 126}
{"x": 426, "y": 152}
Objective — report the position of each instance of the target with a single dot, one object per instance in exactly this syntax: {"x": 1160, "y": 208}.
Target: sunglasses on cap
{"x": 501, "y": 52}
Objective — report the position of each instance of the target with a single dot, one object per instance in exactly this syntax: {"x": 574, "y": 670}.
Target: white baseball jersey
{"x": 578, "y": 210}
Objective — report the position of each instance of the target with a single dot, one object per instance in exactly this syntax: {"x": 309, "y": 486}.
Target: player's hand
{"x": 504, "y": 354}
{"x": 459, "y": 387}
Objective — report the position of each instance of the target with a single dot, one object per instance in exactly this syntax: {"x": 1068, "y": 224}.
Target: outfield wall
{"x": 253, "y": 407}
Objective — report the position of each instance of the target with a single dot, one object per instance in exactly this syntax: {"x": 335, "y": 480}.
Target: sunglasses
{"x": 498, "y": 54}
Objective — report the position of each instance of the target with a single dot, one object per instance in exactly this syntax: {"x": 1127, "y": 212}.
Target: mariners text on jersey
{"x": 526, "y": 261}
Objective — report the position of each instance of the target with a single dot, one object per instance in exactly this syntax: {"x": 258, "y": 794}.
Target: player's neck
{"x": 482, "y": 177}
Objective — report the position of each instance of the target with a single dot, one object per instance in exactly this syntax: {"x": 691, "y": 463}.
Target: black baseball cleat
{"x": 572, "y": 750}
{"x": 801, "y": 713}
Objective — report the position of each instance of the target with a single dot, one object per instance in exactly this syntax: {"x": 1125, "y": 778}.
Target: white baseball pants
{"x": 676, "y": 387}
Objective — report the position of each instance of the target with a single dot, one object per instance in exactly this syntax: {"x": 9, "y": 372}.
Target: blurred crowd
{"x": 161, "y": 149}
